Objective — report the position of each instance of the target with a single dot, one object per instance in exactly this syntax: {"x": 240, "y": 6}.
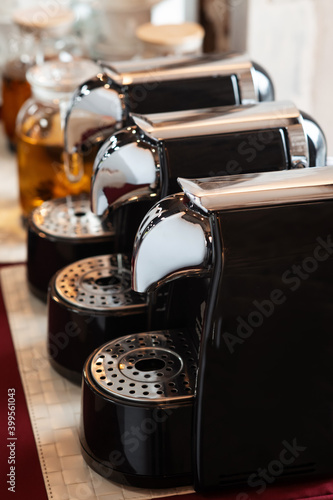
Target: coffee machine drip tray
{"x": 137, "y": 409}
{"x": 62, "y": 231}
{"x": 98, "y": 283}
{"x": 69, "y": 218}
{"x": 155, "y": 367}
{"x": 89, "y": 303}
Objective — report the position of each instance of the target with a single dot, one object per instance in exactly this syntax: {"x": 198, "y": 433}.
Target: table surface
{"x": 32, "y": 479}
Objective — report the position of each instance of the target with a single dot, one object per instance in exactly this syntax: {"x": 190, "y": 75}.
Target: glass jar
{"x": 43, "y": 174}
{"x": 38, "y": 36}
{"x": 170, "y": 39}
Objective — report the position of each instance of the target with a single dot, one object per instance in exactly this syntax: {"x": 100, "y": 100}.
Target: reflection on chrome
{"x": 94, "y": 112}
{"x": 125, "y": 167}
{"x": 173, "y": 241}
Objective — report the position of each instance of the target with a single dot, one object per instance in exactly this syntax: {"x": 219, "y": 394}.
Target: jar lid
{"x": 125, "y": 5}
{"x": 38, "y": 19}
{"x": 185, "y": 35}
{"x": 56, "y": 76}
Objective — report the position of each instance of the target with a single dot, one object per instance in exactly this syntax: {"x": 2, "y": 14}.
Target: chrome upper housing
{"x": 175, "y": 239}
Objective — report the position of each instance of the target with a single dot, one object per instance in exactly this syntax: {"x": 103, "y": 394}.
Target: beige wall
{"x": 293, "y": 40}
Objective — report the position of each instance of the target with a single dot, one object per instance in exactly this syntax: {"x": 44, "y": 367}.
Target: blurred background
{"x": 292, "y": 39}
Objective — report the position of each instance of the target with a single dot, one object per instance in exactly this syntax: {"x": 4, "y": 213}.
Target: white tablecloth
{"x": 12, "y": 234}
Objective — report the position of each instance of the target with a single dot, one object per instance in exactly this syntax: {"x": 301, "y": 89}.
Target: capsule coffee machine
{"x": 138, "y": 166}
{"x": 245, "y": 385}
{"x": 144, "y": 160}
{"x": 63, "y": 231}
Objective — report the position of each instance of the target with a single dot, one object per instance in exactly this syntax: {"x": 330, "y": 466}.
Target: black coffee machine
{"x": 105, "y": 103}
{"x": 244, "y": 385}
{"x": 135, "y": 168}
{"x": 63, "y": 231}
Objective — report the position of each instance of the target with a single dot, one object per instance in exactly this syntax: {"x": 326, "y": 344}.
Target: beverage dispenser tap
{"x": 135, "y": 168}
{"x": 247, "y": 387}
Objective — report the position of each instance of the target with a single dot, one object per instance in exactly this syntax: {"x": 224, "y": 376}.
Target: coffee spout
{"x": 173, "y": 241}
{"x": 126, "y": 170}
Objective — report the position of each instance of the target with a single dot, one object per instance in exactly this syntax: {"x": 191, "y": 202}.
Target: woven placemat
{"x": 54, "y": 404}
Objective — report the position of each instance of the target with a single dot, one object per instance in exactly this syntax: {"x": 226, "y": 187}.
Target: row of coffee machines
{"x": 191, "y": 293}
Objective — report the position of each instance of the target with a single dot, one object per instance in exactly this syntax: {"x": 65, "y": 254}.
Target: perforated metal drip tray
{"x": 147, "y": 368}
{"x": 70, "y": 218}
{"x": 99, "y": 284}
{"x": 62, "y": 231}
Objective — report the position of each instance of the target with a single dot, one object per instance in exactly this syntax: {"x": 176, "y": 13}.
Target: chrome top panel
{"x": 261, "y": 189}
{"x": 157, "y": 70}
{"x": 229, "y": 119}
{"x": 223, "y": 119}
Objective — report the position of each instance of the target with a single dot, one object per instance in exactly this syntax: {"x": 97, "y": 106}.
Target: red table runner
{"x": 20, "y": 448}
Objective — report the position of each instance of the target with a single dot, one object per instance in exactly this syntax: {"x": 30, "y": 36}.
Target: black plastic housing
{"x": 265, "y": 379}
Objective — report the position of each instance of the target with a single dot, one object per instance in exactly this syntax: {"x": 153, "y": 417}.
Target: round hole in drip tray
{"x": 108, "y": 281}
{"x": 80, "y": 214}
{"x": 149, "y": 365}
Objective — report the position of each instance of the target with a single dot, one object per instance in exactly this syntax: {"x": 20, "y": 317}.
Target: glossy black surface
{"x": 144, "y": 445}
{"x": 218, "y": 155}
{"x": 179, "y": 304}
{"x": 126, "y": 221}
{"x": 265, "y": 380}
{"x": 46, "y": 255}
{"x": 182, "y": 94}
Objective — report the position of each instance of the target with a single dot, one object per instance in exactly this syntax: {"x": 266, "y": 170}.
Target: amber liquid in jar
{"x": 40, "y": 156}
{"x": 15, "y": 91}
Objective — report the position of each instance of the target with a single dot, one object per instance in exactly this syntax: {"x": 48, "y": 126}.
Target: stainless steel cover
{"x": 99, "y": 284}
{"x": 69, "y": 218}
{"x": 261, "y": 189}
{"x": 155, "y": 367}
